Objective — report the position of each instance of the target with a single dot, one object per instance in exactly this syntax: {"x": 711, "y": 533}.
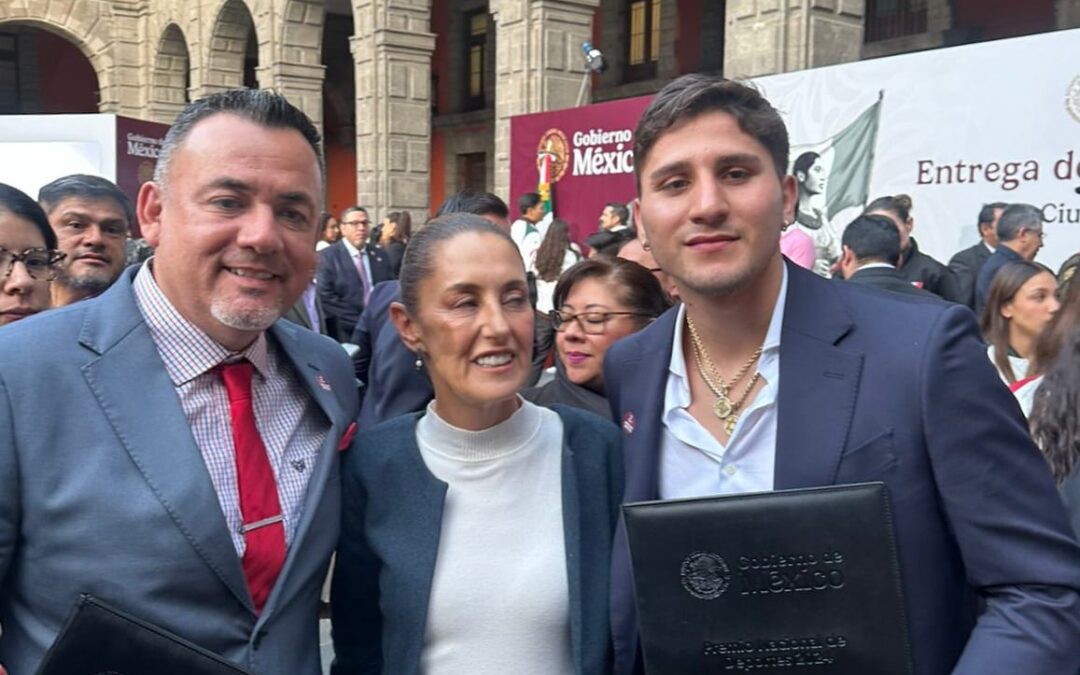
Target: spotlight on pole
{"x": 594, "y": 58}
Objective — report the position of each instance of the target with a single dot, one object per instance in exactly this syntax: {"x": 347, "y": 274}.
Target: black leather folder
{"x": 794, "y": 581}
{"x": 97, "y": 639}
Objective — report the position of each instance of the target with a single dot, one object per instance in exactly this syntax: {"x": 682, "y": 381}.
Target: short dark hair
{"x": 986, "y": 213}
{"x": 528, "y": 201}
{"x": 84, "y": 186}
{"x": 873, "y": 239}
{"x": 477, "y": 203}
{"x": 352, "y": 209}
{"x": 619, "y": 210}
{"x": 1017, "y": 217}
{"x": 803, "y": 162}
{"x": 636, "y": 287}
{"x": 21, "y": 205}
{"x": 421, "y": 256}
{"x": 898, "y": 205}
{"x": 691, "y": 95}
{"x": 265, "y": 108}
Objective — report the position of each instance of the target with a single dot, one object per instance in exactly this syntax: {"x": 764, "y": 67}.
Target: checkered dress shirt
{"x": 290, "y": 422}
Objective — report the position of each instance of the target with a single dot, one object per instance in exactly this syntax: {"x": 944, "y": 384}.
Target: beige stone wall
{"x": 392, "y": 50}
{"x": 538, "y": 64}
{"x": 1068, "y": 13}
{"x": 775, "y": 36}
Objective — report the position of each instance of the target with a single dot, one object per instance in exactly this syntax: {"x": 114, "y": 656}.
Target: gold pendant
{"x": 729, "y": 423}
{"x": 722, "y": 407}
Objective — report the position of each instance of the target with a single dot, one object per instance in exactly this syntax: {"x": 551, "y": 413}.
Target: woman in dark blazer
{"x": 477, "y": 534}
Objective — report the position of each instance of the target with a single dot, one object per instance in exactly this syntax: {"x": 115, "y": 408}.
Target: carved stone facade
{"x": 776, "y": 36}
{"x": 151, "y": 56}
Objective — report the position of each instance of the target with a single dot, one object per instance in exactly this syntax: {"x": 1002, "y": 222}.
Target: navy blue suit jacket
{"x": 883, "y": 387}
{"x": 1001, "y": 256}
{"x": 392, "y": 518}
{"x": 339, "y": 285}
{"x": 392, "y": 384}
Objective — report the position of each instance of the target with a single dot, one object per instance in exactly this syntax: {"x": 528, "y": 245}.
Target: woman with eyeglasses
{"x": 476, "y": 535}
{"x": 28, "y": 256}
{"x": 597, "y": 301}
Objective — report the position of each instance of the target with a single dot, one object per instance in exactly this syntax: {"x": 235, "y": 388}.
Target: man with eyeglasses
{"x": 91, "y": 217}
{"x": 1020, "y": 236}
{"x": 348, "y": 270}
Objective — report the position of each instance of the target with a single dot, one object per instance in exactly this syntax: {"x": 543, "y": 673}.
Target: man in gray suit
{"x": 170, "y": 447}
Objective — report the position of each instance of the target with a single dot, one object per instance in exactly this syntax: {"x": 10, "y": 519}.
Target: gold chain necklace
{"x": 724, "y": 408}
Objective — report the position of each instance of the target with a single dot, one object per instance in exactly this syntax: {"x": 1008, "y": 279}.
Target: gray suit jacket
{"x": 103, "y": 491}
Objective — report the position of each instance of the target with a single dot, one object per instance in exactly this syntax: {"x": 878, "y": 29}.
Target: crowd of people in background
{"x": 415, "y": 309}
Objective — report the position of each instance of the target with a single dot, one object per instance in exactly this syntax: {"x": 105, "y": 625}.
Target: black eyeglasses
{"x": 40, "y": 263}
{"x": 591, "y": 323}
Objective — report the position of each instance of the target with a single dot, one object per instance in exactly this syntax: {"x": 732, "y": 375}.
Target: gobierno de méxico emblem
{"x": 553, "y": 144}
{"x": 705, "y": 575}
{"x": 1072, "y": 98}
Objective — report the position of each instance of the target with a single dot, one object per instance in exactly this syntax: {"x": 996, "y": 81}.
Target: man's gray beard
{"x": 91, "y": 283}
{"x": 249, "y": 320}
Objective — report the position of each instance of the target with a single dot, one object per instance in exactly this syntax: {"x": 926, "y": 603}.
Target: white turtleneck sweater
{"x": 499, "y": 596}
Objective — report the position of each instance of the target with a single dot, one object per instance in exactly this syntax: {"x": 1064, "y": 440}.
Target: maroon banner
{"x": 594, "y": 159}
{"x": 138, "y": 144}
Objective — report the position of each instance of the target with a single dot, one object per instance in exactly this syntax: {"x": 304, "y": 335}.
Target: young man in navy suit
{"x": 768, "y": 377}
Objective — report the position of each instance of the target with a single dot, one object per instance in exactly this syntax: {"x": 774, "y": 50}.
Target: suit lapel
{"x": 641, "y": 406}
{"x": 318, "y": 386}
{"x": 818, "y": 384}
{"x": 150, "y": 424}
{"x": 571, "y": 508}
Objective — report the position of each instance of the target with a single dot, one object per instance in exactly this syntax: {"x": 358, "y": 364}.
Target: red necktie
{"x": 264, "y": 526}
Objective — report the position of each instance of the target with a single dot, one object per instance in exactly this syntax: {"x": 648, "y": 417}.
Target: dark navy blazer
{"x": 884, "y": 387}
{"x": 392, "y": 384}
{"x": 392, "y": 518}
{"x": 339, "y": 286}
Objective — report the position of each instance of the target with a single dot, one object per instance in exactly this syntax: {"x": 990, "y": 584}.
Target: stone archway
{"x": 231, "y": 38}
{"x": 86, "y": 30}
{"x": 171, "y": 76}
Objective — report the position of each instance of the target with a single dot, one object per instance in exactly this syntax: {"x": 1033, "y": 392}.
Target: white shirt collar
{"x": 989, "y": 247}
{"x": 677, "y": 394}
{"x": 877, "y": 265}
{"x": 186, "y": 350}
{"x": 353, "y": 251}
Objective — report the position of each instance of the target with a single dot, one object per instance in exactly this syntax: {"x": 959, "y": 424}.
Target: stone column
{"x": 125, "y": 96}
{"x": 776, "y": 36}
{"x": 300, "y": 83}
{"x": 392, "y": 49}
{"x": 1068, "y": 13}
{"x": 538, "y": 64}
{"x": 295, "y": 66}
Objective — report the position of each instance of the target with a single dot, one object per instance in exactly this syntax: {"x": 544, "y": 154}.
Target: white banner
{"x": 960, "y": 127}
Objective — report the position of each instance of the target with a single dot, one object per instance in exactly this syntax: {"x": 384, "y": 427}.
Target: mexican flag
{"x": 848, "y": 158}
{"x": 545, "y": 164}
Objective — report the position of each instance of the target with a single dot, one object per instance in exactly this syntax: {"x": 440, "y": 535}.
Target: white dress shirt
{"x": 362, "y": 252}
{"x": 290, "y": 423}
{"x": 692, "y": 462}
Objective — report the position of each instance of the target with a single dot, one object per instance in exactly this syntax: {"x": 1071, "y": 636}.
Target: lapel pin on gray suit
{"x": 183, "y": 464}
